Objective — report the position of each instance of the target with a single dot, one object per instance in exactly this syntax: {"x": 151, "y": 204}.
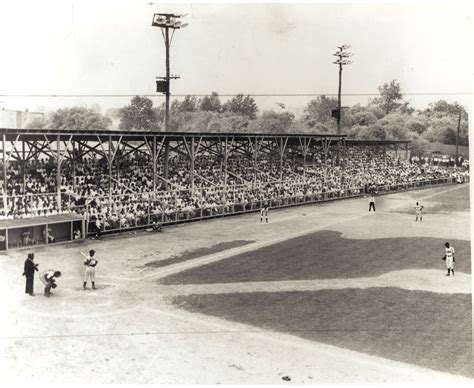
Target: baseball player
{"x": 449, "y": 258}
{"x": 90, "y": 263}
{"x": 48, "y": 278}
{"x": 418, "y": 212}
{"x": 372, "y": 202}
{"x": 264, "y": 213}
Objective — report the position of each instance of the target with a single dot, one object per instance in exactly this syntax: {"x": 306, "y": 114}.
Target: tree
{"x": 138, "y": 115}
{"x": 443, "y": 108}
{"x": 318, "y": 111}
{"x": 189, "y": 104}
{"x": 243, "y": 106}
{"x": 390, "y": 97}
{"x": 79, "y": 118}
{"x": 211, "y": 103}
{"x": 354, "y": 131}
{"x": 39, "y": 122}
{"x": 359, "y": 115}
{"x": 273, "y": 122}
{"x": 417, "y": 124}
{"x": 395, "y": 126}
{"x": 373, "y": 132}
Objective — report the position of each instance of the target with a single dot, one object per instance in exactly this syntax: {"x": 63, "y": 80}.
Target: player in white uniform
{"x": 48, "y": 278}
{"x": 449, "y": 257}
{"x": 264, "y": 213}
{"x": 90, "y": 263}
{"x": 418, "y": 212}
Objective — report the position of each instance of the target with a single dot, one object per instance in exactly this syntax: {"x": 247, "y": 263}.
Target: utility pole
{"x": 343, "y": 60}
{"x": 167, "y": 21}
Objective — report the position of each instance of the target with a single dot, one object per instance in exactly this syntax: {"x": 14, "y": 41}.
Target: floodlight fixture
{"x": 342, "y": 60}
{"x": 167, "y": 21}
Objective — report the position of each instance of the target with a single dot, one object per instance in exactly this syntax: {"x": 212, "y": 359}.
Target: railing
{"x": 417, "y": 185}
{"x": 180, "y": 216}
{"x": 117, "y": 223}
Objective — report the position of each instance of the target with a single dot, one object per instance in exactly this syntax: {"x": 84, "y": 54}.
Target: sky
{"x": 110, "y": 48}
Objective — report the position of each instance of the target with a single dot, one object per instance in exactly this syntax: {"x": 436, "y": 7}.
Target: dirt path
{"x": 417, "y": 279}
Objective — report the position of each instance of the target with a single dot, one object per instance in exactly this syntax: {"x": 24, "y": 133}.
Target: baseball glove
{"x": 444, "y": 258}
{"x": 53, "y": 286}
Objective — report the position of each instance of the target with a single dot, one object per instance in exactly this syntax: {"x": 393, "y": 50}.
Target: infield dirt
{"x": 128, "y": 332}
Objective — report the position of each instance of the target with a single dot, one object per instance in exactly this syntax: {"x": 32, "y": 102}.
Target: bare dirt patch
{"x": 195, "y": 253}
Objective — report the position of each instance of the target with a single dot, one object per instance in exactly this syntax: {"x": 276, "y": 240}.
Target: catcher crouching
{"x": 48, "y": 278}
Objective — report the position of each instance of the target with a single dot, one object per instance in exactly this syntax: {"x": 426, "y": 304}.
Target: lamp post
{"x": 342, "y": 60}
{"x": 167, "y": 21}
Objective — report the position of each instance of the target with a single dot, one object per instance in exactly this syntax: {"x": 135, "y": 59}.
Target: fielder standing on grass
{"x": 449, "y": 258}
{"x": 264, "y": 213}
{"x": 418, "y": 212}
{"x": 90, "y": 262}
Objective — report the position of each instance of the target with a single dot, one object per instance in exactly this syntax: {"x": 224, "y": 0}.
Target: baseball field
{"x": 322, "y": 294}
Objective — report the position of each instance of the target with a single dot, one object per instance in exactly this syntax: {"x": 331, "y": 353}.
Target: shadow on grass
{"x": 422, "y": 328}
{"x": 456, "y": 200}
{"x": 327, "y": 255}
{"x": 200, "y": 252}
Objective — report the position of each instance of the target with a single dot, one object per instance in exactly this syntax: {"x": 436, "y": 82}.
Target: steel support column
{"x": 166, "y": 162}
{"x": 154, "y": 158}
{"x": 192, "y": 157}
{"x": 110, "y": 168}
{"x": 226, "y": 155}
{"x": 5, "y": 163}
{"x": 58, "y": 171}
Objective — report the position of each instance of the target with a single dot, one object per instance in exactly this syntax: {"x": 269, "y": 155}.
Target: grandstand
{"x": 124, "y": 180}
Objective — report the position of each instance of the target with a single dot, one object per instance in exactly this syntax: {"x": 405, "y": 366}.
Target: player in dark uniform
{"x": 29, "y": 273}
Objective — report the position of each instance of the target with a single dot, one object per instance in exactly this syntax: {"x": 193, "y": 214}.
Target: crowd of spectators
{"x": 131, "y": 199}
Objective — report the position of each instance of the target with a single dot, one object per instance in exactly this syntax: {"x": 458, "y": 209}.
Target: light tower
{"x": 167, "y": 21}
{"x": 342, "y": 60}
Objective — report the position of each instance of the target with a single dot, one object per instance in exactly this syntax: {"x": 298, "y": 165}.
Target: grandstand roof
{"x": 92, "y": 135}
{"x": 38, "y": 134}
{"x": 375, "y": 142}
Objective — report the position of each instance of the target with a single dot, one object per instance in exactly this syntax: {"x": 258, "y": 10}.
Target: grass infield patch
{"x": 193, "y": 254}
{"x": 326, "y": 255}
{"x": 422, "y": 328}
{"x": 451, "y": 201}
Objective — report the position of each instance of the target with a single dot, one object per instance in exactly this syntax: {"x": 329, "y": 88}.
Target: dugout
{"x": 41, "y": 231}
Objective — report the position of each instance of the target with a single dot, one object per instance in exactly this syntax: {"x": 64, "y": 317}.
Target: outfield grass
{"x": 427, "y": 329}
{"x": 456, "y": 200}
{"x": 326, "y": 255}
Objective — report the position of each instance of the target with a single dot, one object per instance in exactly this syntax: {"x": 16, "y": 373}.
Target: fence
{"x": 149, "y": 204}
{"x": 146, "y": 218}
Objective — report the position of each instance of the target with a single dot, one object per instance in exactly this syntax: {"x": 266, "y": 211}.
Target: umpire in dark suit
{"x": 29, "y": 273}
